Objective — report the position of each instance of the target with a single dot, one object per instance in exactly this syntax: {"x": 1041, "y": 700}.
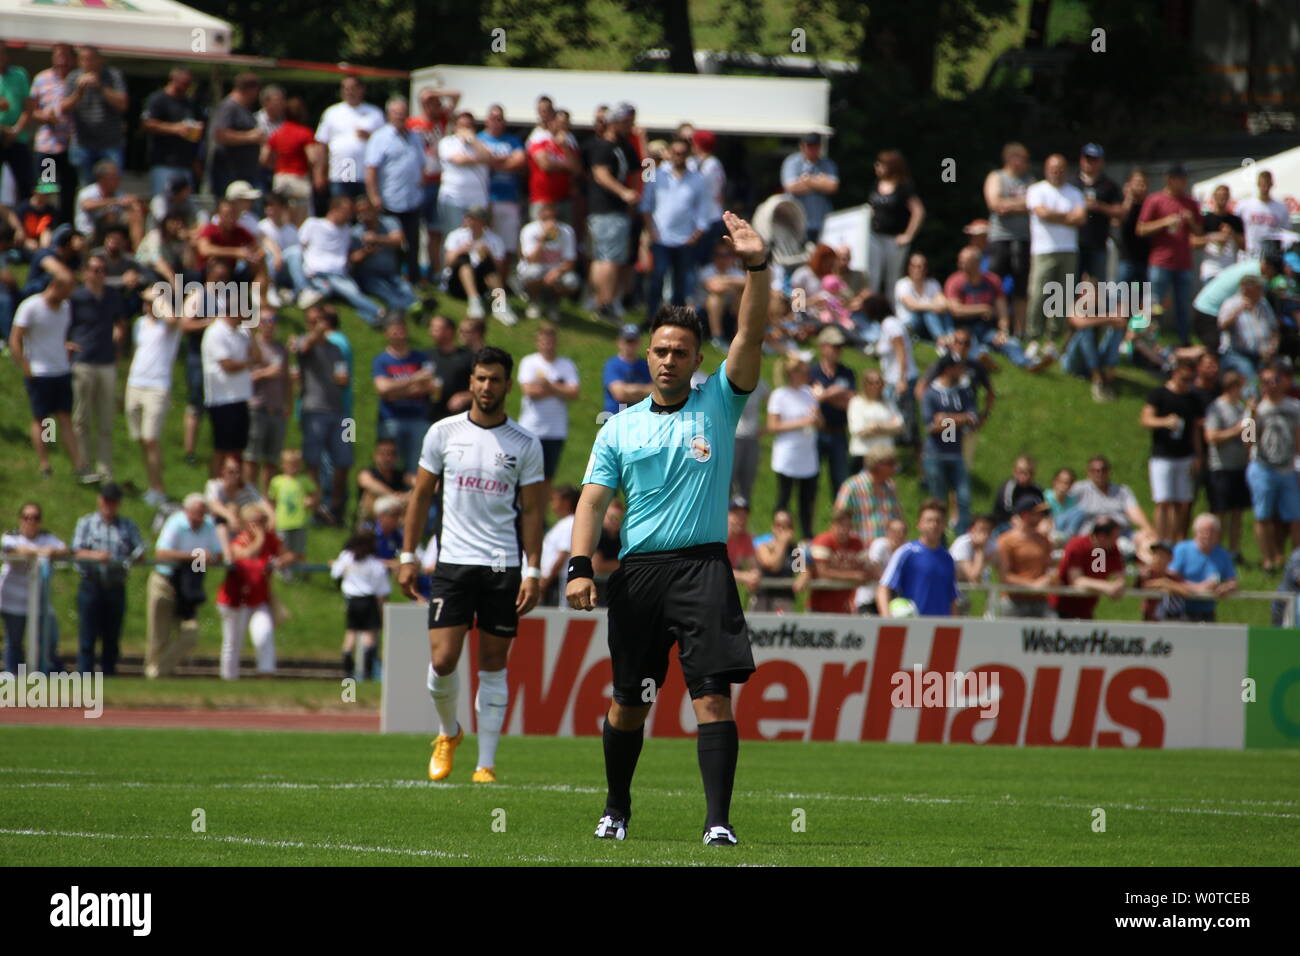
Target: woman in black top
{"x": 896, "y": 214}
{"x": 1133, "y": 250}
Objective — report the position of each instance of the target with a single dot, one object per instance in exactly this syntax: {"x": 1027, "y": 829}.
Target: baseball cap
{"x": 1176, "y": 169}
{"x": 704, "y": 139}
{"x": 976, "y": 227}
{"x": 110, "y": 491}
{"x": 1105, "y": 525}
{"x": 47, "y": 188}
{"x": 830, "y": 336}
{"x": 629, "y": 332}
{"x": 1093, "y": 151}
{"x": 477, "y": 212}
{"x": 811, "y": 139}
{"x": 242, "y": 189}
{"x": 624, "y": 111}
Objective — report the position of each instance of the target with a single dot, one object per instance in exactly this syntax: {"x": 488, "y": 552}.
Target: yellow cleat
{"x": 485, "y": 775}
{"x": 444, "y": 750}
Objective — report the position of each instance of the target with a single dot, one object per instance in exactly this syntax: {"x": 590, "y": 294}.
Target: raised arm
{"x": 745, "y": 357}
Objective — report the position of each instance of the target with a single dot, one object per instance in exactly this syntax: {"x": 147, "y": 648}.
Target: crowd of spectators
{"x": 385, "y": 208}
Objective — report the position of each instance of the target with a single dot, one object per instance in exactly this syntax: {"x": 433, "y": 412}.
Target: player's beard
{"x": 489, "y": 406}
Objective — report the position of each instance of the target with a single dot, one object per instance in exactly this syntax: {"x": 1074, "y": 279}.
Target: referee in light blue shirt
{"x": 671, "y": 454}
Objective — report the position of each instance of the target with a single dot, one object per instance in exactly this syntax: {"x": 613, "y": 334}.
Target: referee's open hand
{"x": 581, "y": 593}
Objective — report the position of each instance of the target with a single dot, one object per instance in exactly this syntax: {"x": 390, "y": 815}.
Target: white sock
{"x": 490, "y": 705}
{"x": 444, "y": 690}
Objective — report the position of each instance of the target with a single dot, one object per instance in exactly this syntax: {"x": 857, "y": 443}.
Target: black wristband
{"x": 767, "y": 260}
{"x": 580, "y": 567}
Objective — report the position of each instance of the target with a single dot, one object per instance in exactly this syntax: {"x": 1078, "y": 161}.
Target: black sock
{"x": 368, "y": 661}
{"x": 719, "y": 746}
{"x": 349, "y": 664}
{"x": 622, "y": 749}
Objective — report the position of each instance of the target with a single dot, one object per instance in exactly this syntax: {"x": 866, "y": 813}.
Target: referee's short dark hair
{"x": 679, "y": 315}
{"x": 491, "y": 355}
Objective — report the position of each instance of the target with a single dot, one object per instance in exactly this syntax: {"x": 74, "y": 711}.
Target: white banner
{"x": 832, "y": 677}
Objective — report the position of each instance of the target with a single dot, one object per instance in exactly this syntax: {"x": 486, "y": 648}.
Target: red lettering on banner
{"x": 592, "y": 703}
{"x": 666, "y": 715}
{"x": 544, "y": 707}
{"x": 1127, "y": 712}
{"x": 943, "y": 660}
{"x": 751, "y": 707}
{"x": 836, "y": 686}
{"x": 889, "y": 655}
{"x": 1006, "y": 726}
{"x": 1042, "y": 707}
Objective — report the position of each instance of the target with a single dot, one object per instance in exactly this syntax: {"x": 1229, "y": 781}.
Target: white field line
{"x": 1005, "y": 801}
{"x": 332, "y": 847}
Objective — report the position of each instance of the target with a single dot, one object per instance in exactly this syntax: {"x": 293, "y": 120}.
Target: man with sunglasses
{"x": 28, "y": 541}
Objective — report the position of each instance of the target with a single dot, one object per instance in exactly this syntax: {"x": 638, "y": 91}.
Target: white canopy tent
{"x": 736, "y": 105}
{"x": 1285, "y": 168}
{"x": 140, "y": 27}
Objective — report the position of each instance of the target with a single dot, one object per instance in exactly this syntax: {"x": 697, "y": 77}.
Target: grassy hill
{"x": 1049, "y": 415}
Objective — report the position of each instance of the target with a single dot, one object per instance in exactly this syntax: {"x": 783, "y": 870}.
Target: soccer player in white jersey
{"x": 671, "y": 453}
{"x": 486, "y": 469}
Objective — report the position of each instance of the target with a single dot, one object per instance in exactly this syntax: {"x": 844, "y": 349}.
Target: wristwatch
{"x": 406, "y": 557}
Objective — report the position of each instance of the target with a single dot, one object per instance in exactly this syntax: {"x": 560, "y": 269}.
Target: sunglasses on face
{"x": 30, "y": 517}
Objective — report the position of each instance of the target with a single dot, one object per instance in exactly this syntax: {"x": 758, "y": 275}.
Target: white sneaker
{"x": 506, "y": 316}
{"x": 1031, "y": 352}
{"x": 309, "y": 297}
{"x": 533, "y": 311}
{"x": 474, "y": 310}
{"x": 273, "y": 298}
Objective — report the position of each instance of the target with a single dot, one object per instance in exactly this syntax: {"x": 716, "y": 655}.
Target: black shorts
{"x": 461, "y": 593}
{"x": 551, "y": 449}
{"x": 1227, "y": 491}
{"x": 685, "y": 597}
{"x": 456, "y": 288}
{"x": 229, "y": 427}
{"x": 49, "y": 395}
{"x": 1010, "y": 257}
{"x": 363, "y": 614}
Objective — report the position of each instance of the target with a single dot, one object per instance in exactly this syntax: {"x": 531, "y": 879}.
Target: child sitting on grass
{"x": 366, "y": 585}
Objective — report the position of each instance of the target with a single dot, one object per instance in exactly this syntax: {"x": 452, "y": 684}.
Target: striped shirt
{"x": 873, "y": 504}
{"x": 120, "y": 538}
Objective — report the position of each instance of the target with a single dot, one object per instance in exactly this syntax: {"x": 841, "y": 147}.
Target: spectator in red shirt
{"x": 244, "y": 601}
{"x": 1093, "y": 563}
{"x": 294, "y": 154}
{"x": 225, "y": 240}
{"x": 837, "y": 555}
{"x": 552, "y": 163}
{"x": 1168, "y": 221}
{"x": 978, "y": 304}
{"x": 740, "y": 546}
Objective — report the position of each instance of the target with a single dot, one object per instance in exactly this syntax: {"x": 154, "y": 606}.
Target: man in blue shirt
{"x": 922, "y": 570}
{"x": 675, "y": 205}
{"x": 508, "y": 161}
{"x": 626, "y": 376}
{"x": 671, "y": 453}
{"x": 394, "y": 177}
{"x": 1202, "y": 561}
{"x": 811, "y": 179}
{"x": 947, "y": 412}
{"x": 404, "y": 381}
{"x": 186, "y": 547}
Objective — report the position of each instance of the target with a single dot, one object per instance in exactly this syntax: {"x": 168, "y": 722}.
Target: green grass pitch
{"x": 109, "y": 797}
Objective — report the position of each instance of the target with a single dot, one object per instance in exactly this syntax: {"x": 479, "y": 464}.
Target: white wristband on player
{"x": 406, "y": 557}
{"x": 534, "y": 573}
